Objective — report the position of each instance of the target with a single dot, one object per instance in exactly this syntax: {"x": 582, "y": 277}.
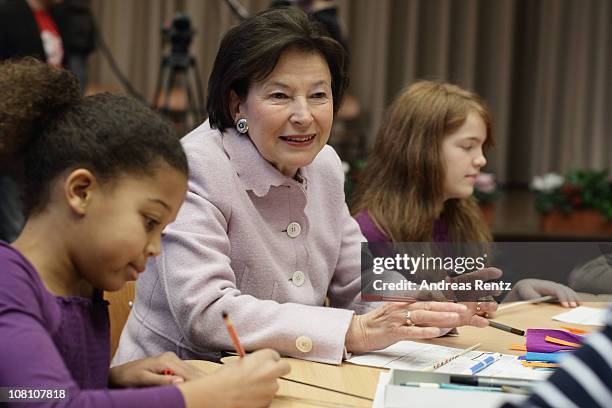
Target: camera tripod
{"x": 178, "y": 94}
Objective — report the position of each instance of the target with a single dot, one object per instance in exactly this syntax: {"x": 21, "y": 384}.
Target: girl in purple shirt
{"x": 102, "y": 177}
{"x": 419, "y": 179}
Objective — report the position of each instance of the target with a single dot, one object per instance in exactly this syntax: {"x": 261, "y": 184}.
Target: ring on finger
{"x": 409, "y": 322}
{"x": 478, "y": 308}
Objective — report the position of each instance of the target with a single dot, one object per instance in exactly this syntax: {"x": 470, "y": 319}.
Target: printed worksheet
{"x": 411, "y": 355}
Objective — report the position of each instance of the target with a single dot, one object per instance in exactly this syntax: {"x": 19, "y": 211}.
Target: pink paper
{"x": 536, "y": 340}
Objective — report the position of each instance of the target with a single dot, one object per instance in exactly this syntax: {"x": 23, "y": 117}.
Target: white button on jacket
{"x": 294, "y": 229}
{"x": 298, "y": 278}
{"x": 304, "y": 344}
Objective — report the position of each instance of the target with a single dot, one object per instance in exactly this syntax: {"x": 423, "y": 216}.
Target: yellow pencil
{"x": 447, "y": 360}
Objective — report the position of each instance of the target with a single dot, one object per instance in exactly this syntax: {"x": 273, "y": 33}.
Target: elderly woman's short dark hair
{"x": 249, "y": 52}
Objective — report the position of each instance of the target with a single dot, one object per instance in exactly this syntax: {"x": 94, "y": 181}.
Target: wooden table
{"x": 346, "y": 377}
{"x": 520, "y": 317}
{"x": 362, "y": 380}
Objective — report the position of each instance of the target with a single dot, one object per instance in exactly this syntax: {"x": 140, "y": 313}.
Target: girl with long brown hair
{"x": 420, "y": 176}
{"x": 419, "y": 179}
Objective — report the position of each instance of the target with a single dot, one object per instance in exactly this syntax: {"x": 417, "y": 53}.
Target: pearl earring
{"x": 242, "y": 126}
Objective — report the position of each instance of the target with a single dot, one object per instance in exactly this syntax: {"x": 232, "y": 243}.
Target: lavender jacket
{"x": 263, "y": 247}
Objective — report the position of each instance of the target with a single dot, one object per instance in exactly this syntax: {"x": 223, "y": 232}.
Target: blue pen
{"x": 459, "y": 387}
{"x": 484, "y": 363}
{"x": 546, "y": 357}
{"x": 469, "y": 388}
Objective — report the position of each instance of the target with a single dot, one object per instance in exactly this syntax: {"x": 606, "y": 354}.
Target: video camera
{"x": 179, "y": 33}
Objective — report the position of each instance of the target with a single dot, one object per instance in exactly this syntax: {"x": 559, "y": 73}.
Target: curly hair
{"x": 32, "y": 93}
{"x": 49, "y": 128}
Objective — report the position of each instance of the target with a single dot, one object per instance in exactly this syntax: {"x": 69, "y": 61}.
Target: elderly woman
{"x": 265, "y": 234}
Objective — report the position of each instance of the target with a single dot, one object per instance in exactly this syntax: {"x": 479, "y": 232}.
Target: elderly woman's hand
{"x": 393, "y": 322}
{"x": 483, "y": 308}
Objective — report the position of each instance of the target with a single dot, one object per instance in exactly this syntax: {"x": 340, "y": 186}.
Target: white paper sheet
{"x": 430, "y": 398}
{"x": 379, "y": 397}
{"x": 583, "y": 315}
{"x": 410, "y": 355}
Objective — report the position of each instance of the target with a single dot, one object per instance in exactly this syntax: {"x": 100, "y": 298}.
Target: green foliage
{"x": 582, "y": 189}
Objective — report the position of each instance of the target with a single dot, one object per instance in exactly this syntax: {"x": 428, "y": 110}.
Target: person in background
{"x": 32, "y": 28}
{"x": 27, "y": 28}
{"x": 79, "y": 37}
{"x": 594, "y": 276}
{"x": 419, "y": 178}
{"x": 103, "y": 176}
{"x": 60, "y": 34}
{"x": 265, "y": 233}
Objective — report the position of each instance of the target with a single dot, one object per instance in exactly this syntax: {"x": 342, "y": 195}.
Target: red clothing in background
{"x": 50, "y": 37}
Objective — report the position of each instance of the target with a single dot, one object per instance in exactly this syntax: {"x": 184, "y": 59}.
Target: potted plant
{"x": 579, "y": 202}
{"x": 486, "y": 192}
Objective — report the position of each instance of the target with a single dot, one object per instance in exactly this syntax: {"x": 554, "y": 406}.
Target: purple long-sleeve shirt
{"x": 60, "y": 343}
{"x": 373, "y": 234}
